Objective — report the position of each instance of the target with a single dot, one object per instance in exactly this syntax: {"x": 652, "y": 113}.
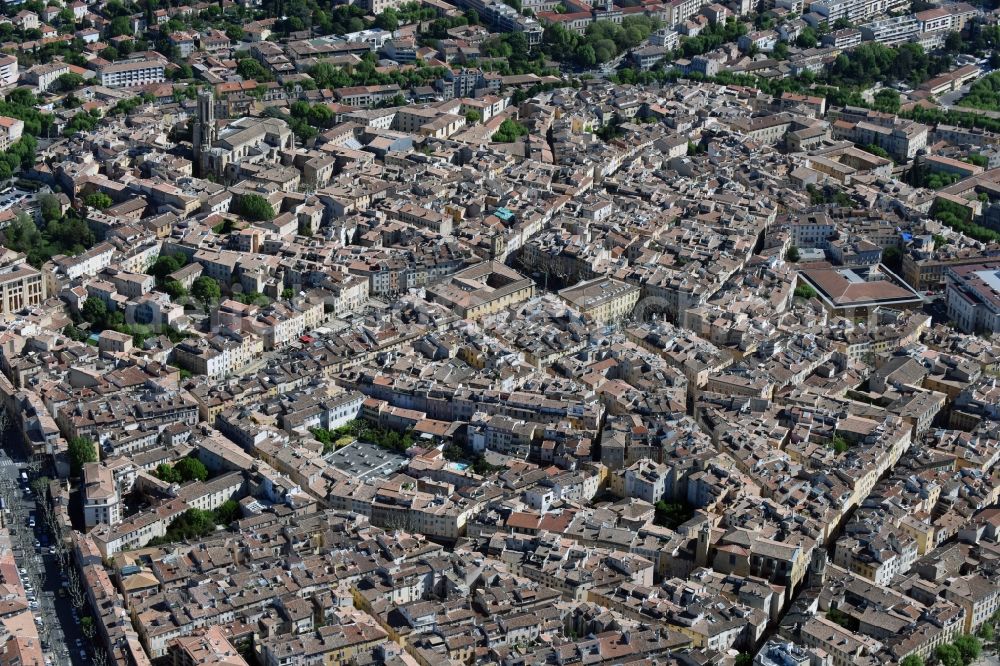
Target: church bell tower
{"x": 203, "y": 135}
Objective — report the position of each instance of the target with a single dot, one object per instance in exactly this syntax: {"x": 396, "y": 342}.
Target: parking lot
{"x": 13, "y": 197}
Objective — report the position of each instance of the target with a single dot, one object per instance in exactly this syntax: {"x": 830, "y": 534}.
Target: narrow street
{"x": 41, "y": 566}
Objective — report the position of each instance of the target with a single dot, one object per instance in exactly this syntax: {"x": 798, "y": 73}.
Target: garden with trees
{"x": 58, "y": 234}
{"x": 509, "y": 131}
{"x": 603, "y": 41}
{"x": 184, "y": 470}
{"x": 254, "y": 207}
{"x": 197, "y": 523}
{"x": 365, "y": 432}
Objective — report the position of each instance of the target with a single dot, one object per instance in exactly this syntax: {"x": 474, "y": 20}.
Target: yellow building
{"x": 21, "y": 285}
{"x": 604, "y": 299}
{"x": 482, "y": 289}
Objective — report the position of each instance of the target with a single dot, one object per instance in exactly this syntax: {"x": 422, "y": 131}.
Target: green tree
{"x": 953, "y": 42}
{"x": 69, "y": 81}
{"x": 805, "y": 291}
{"x": 473, "y": 116}
{"x": 192, "y": 524}
{"x": 206, "y": 289}
{"x": 320, "y": 115}
{"x": 167, "y": 264}
{"x": 839, "y": 444}
{"x": 164, "y": 472}
{"x": 792, "y": 254}
{"x": 249, "y": 69}
{"x": 968, "y": 647}
{"x": 51, "y": 208}
{"x": 807, "y": 39}
{"x": 95, "y": 310}
{"x": 948, "y": 655}
{"x": 887, "y": 100}
{"x": 671, "y": 514}
{"x": 98, "y": 200}
{"x": 509, "y": 131}
{"x": 892, "y": 257}
{"x": 482, "y": 467}
{"x": 227, "y": 512}
{"x": 454, "y": 452}
{"x": 191, "y": 469}
{"x": 911, "y": 660}
{"x": 174, "y": 289}
{"x": 80, "y": 450}
{"x": 255, "y": 207}
{"x": 119, "y": 25}
{"x": 183, "y": 73}
{"x": 387, "y": 20}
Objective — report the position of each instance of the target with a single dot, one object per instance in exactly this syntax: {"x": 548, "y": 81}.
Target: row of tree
{"x": 959, "y": 218}
{"x": 984, "y": 93}
{"x": 362, "y": 430}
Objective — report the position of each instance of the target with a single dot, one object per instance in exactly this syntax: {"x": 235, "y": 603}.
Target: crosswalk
{"x": 8, "y": 468}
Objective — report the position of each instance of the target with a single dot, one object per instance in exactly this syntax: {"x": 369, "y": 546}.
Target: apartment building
{"x": 101, "y": 503}
{"x": 43, "y": 76}
{"x": 973, "y": 296}
{"x": 88, "y": 263}
{"x": 855, "y": 11}
{"x": 11, "y": 130}
{"x": 210, "y": 648}
{"x": 951, "y": 17}
{"x": 8, "y": 70}
{"x": 891, "y": 31}
{"x": 647, "y": 480}
{"x": 132, "y": 72}
{"x": 902, "y": 140}
{"x": 220, "y": 355}
{"x": 366, "y": 95}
